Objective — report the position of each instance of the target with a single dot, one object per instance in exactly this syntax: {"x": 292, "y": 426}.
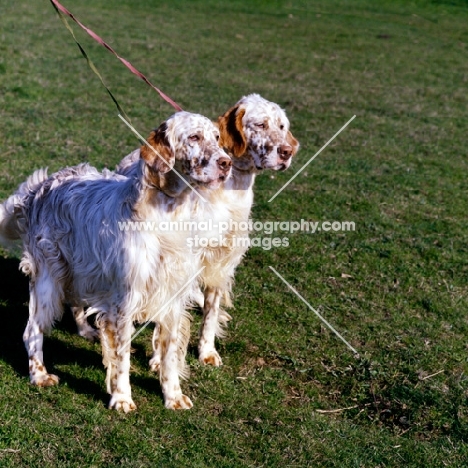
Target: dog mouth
{"x": 268, "y": 162}
{"x": 222, "y": 178}
{"x": 277, "y": 165}
{"x": 214, "y": 184}
{"x": 271, "y": 166}
{"x": 210, "y": 182}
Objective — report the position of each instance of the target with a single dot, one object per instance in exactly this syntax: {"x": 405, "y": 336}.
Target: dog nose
{"x": 285, "y": 152}
{"x": 224, "y": 163}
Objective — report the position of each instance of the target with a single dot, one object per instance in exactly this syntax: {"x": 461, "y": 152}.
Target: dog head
{"x": 256, "y": 133}
{"x": 187, "y": 143}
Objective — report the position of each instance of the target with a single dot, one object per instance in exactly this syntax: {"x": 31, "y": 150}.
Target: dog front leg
{"x": 155, "y": 361}
{"x": 115, "y": 339}
{"x": 207, "y": 353}
{"x": 84, "y": 328}
{"x": 169, "y": 370}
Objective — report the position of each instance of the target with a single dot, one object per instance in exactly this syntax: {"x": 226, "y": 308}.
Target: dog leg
{"x": 169, "y": 370}
{"x": 207, "y": 353}
{"x": 84, "y": 328}
{"x": 115, "y": 339}
{"x": 155, "y": 361}
{"x": 41, "y": 317}
{"x": 199, "y": 298}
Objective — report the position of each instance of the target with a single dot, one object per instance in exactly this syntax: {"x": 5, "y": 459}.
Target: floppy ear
{"x": 293, "y": 142}
{"x": 232, "y": 132}
{"x": 160, "y": 156}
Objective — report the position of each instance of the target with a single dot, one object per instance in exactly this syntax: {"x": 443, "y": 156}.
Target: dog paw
{"x": 155, "y": 363}
{"x": 91, "y": 334}
{"x": 179, "y": 402}
{"x": 211, "y": 358}
{"x": 122, "y": 403}
{"x": 44, "y": 380}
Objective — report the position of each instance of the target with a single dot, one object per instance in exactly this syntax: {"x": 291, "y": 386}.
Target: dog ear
{"x": 159, "y": 156}
{"x": 231, "y": 131}
{"x": 293, "y": 142}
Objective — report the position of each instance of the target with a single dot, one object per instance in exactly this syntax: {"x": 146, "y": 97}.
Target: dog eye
{"x": 194, "y": 138}
{"x": 282, "y": 127}
{"x": 260, "y": 125}
{"x": 217, "y": 137}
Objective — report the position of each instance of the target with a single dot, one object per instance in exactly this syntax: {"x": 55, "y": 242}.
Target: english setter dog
{"x": 76, "y": 250}
{"x": 255, "y": 133}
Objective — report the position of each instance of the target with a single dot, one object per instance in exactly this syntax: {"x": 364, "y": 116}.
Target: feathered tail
{"x": 12, "y": 208}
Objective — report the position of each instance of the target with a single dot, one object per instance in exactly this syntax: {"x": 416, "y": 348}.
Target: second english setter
{"x": 256, "y": 134}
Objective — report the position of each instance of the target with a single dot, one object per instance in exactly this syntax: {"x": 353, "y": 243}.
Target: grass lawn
{"x": 290, "y": 393}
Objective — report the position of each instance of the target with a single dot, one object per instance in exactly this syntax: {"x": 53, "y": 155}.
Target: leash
{"x": 63, "y": 12}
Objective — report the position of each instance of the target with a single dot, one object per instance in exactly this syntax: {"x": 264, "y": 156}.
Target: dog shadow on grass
{"x": 14, "y": 297}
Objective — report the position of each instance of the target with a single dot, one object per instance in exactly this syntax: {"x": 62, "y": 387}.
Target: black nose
{"x": 224, "y": 164}
{"x": 285, "y": 152}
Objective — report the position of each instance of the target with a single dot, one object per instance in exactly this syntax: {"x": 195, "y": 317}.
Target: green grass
{"x": 398, "y": 171}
